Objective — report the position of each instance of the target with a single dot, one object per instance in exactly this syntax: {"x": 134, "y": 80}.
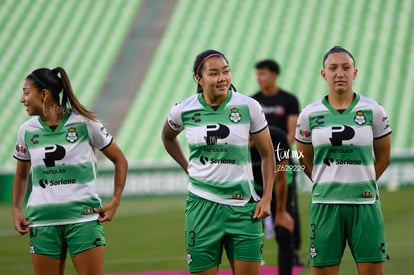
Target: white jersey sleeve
{"x": 99, "y": 136}
{"x": 174, "y": 119}
{"x": 20, "y": 150}
{"x": 303, "y": 131}
{"x": 381, "y": 125}
{"x": 258, "y": 119}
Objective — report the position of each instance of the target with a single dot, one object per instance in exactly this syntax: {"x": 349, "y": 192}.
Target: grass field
{"x": 147, "y": 234}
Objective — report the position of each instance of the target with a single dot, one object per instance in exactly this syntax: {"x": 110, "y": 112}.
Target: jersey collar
{"x": 347, "y": 111}
{"x": 61, "y": 124}
{"x": 222, "y": 105}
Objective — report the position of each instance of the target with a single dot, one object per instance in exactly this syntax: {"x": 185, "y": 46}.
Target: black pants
{"x": 287, "y": 241}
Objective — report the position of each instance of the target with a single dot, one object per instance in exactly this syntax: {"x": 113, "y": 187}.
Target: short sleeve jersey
{"x": 277, "y": 108}
{"x": 63, "y": 168}
{"x": 219, "y": 164}
{"x": 343, "y": 170}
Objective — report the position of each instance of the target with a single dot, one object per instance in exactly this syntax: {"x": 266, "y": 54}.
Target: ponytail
{"x": 45, "y": 78}
{"x": 69, "y": 96}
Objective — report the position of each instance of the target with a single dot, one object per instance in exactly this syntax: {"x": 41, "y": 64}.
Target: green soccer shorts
{"x": 54, "y": 241}
{"x": 210, "y": 227}
{"x": 332, "y": 225}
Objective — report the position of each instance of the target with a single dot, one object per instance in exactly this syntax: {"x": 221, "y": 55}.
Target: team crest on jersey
{"x": 235, "y": 115}
{"x": 360, "y": 118}
{"x": 189, "y": 258}
{"x": 72, "y": 135}
{"x": 313, "y": 252}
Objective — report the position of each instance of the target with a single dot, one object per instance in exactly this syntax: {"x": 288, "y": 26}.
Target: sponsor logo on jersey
{"x": 304, "y": 133}
{"x": 237, "y": 196}
{"x": 34, "y": 139}
{"x": 205, "y": 160}
{"x": 387, "y": 122}
{"x": 329, "y": 161}
{"x": 215, "y": 150}
{"x": 53, "y": 153}
{"x": 235, "y": 115}
{"x": 104, "y": 131}
{"x": 72, "y": 135}
{"x": 54, "y": 171}
{"x": 366, "y": 194}
{"x": 43, "y": 183}
{"x": 196, "y": 117}
{"x": 174, "y": 125}
{"x": 216, "y": 132}
{"x": 320, "y": 119}
{"x": 21, "y": 149}
{"x": 360, "y": 118}
{"x": 341, "y": 133}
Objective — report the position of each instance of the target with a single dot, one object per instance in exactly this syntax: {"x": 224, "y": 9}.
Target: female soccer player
{"x": 222, "y": 209}
{"x": 345, "y": 139}
{"x": 58, "y": 145}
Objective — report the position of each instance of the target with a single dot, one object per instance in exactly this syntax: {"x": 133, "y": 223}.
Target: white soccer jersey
{"x": 63, "y": 167}
{"x": 343, "y": 170}
{"x": 219, "y": 163}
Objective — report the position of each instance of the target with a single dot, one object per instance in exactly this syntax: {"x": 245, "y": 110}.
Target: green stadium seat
{"x": 84, "y": 37}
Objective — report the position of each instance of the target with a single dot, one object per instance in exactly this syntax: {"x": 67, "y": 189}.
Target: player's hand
{"x": 262, "y": 209}
{"x": 284, "y": 219}
{"x": 20, "y": 223}
{"x": 106, "y": 213}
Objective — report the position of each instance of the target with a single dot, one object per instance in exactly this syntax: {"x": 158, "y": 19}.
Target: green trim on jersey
{"x": 361, "y": 192}
{"x": 193, "y": 117}
{"x": 222, "y": 105}
{"x": 324, "y": 119}
{"x": 38, "y": 138}
{"x": 349, "y": 109}
{"x": 61, "y": 124}
{"x": 336, "y": 153}
{"x": 228, "y": 190}
{"x": 63, "y": 174}
{"x": 232, "y": 153}
{"x": 63, "y": 213}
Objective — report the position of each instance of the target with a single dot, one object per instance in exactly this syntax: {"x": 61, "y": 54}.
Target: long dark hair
{"x": 45, "y": 78}
{"x": 199, "y": 63}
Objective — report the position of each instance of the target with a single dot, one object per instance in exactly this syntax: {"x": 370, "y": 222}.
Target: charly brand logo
{"x": 196, "y": 117}
{"x": 216, "y": 132}
{"x": 235, "y": 115}
{"x": 53, "y": 154}
{"x": 35, "y": 139}
{"x": 285, "y": 153}
{"x": 72, "y": 135}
